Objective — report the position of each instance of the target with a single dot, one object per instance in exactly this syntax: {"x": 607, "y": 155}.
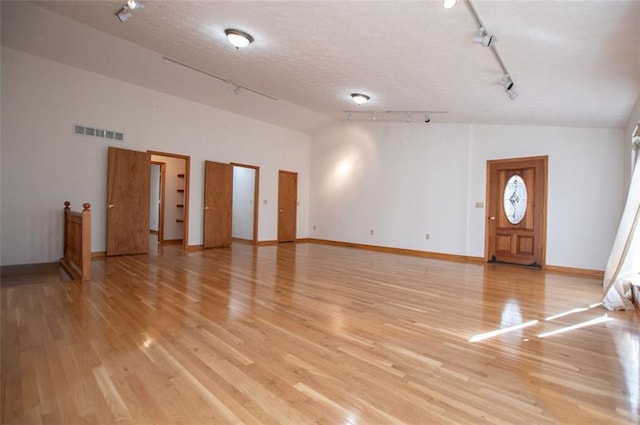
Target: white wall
{"x": 406, "y": 180}
{"x": 243, "y": 192}
{"x": 386, "y": 178}
{"x": 585, "y": 192}
{"x": 46, "y": 164}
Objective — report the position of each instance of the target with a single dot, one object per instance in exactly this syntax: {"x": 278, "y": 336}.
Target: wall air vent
{"x": 82, "y": 130}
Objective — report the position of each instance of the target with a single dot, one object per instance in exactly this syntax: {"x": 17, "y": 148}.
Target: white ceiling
{"x": 575, "y": 63}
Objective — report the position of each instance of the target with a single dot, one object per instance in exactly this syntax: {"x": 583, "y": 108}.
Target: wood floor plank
{"x": 313, "y": 334}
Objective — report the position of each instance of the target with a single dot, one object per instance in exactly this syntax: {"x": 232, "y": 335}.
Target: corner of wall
{"x": 632, "y": 122}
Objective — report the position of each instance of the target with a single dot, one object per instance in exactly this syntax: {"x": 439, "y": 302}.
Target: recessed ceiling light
{"x": 238, "y": 38}
{"x": 359, "y": 98}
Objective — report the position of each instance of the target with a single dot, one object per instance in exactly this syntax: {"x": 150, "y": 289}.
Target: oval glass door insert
{"x": 515, "y": 199}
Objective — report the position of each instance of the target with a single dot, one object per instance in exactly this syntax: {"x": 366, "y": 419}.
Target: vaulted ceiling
{"x": 575, "y": 63}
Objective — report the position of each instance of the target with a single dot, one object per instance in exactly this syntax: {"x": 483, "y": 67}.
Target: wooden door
{"x": 128, "y": 192}
{"x": 287, "y": 206}
{"x": 516, "y": 212}
{"x": 218, "y": 204}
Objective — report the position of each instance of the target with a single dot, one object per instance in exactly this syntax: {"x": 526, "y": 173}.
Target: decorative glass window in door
{"x": 515, "y": 199}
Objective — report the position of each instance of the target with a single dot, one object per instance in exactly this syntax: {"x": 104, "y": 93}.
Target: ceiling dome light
{"x": 238, "y": 38}
{"x": 132, "y": 4}
{"x": 448, "y": 4}
{"x": 359, "y": 98}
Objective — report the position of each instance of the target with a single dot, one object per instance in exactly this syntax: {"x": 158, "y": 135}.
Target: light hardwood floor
{"x": 313, "y": 334}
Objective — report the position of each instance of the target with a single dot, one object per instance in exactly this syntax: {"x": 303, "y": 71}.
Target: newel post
{"x": 86, "y": 241}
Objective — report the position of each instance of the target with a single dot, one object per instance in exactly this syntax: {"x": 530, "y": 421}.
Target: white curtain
{"x": 623, "y": 267}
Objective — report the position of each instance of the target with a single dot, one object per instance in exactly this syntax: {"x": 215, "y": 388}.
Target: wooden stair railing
{"x": 77, "y": 242}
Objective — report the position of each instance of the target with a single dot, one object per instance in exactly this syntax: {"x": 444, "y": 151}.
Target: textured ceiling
{"x": 575, "y": 63}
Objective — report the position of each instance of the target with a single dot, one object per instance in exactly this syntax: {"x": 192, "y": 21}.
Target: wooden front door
{"x": 128, "y": 192}
{"x": 287, "y": 206}
{"x": 218, "y": 204}
{"x": 516, "y": 210}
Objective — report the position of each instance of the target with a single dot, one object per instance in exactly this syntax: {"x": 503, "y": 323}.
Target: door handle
{"x": 281, "y": 210}
{"x": 492, "y": 217}
{"x": 207, "y": 208}
{"x": 111, "y": 206}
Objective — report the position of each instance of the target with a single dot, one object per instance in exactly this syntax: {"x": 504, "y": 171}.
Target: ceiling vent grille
{"x": 83, "y": 130}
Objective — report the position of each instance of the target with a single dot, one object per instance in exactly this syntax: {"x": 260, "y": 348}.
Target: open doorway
{"x": 173, "y": 208}
{"x": 156, "y": 203}
{"x": 245, "y": 202}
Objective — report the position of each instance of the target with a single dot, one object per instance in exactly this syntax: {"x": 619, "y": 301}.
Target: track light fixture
{"x": 483, "y": 37}
{"x": 394, "y": 116}
{"x": 360, "y": 98}
{"x": 125, "y": 11}
{"x": 237, "y": 87}
{"x": 238, "y": 38}
{"x": 507, "y": 83}
{"x": 448, "y": 4}
{"x": 487, "y": 40}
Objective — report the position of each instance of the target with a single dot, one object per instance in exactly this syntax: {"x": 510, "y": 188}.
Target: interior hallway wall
{"x": 43, "y": 99}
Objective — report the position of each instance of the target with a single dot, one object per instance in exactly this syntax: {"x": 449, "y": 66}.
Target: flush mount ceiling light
{"x": 360, "y": 98}
{"x": 238, "y": 38}
{"x": 483, "y": 37}
{"x": 448, "y": 4}
{"x": 125, "y": 11}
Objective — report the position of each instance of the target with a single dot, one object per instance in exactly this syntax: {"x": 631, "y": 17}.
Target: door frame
{"x": 187, "y": 175}
{"x": 163, "y": 177}
{"x": 542, "y": 220}
{"x": 256, "y": 195}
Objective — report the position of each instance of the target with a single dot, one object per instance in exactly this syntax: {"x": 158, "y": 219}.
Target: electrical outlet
{"x": 264, "y": 202}
{"x": 371, "y": 231}
{"x": 314, "y": 227}
{"x": 427, "y": 236}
